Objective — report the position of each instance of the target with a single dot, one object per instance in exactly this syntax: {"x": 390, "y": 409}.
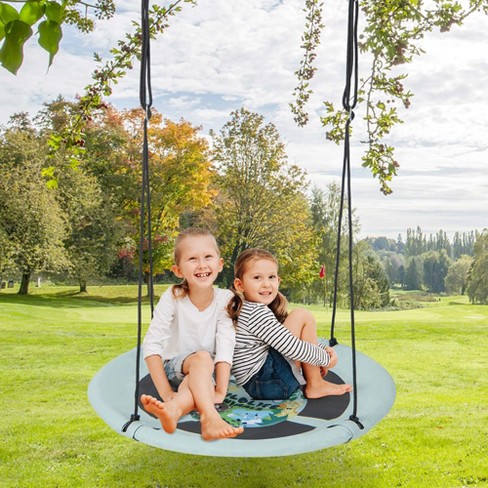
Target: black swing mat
{"x": 265, "y": 419}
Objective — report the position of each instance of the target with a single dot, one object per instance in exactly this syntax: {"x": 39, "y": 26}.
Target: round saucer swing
{"x": 271, "y": 428}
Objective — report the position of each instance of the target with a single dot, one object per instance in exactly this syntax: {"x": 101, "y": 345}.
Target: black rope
{"x": 145, "y": 239}
{"x": 349, "y": 101}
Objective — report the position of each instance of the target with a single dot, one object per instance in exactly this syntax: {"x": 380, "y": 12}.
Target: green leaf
{"x": 12, "y": 51}
{"x": 50, "y": 34}
{"x": 31, "y": 12}
{"x": 54, "y": 12}
{"x": 7, "y": 14}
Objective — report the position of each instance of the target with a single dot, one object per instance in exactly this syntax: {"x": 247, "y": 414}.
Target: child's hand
{"x": 333, "y": 356}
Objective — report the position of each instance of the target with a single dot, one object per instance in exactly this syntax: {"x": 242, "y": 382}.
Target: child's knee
{"x": 202, "y": 359}
{"x": 302, "y": 315}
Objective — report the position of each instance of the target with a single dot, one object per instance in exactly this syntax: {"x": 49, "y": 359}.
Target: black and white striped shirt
{"x": 257, "y": 331}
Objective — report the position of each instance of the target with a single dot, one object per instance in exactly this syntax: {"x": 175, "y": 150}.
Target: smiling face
{"x": 199, "y": 261}
{"x": 260, "y": 281}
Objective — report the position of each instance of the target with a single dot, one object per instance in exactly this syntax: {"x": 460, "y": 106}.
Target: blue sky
{"x": 224, "y": 54}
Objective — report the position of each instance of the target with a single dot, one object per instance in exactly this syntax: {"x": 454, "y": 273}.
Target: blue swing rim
{"x": 111, "y": 393}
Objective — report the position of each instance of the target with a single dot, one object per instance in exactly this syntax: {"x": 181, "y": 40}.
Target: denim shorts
{"x": 174, "y": 369}
{"x": 275, "y": 380}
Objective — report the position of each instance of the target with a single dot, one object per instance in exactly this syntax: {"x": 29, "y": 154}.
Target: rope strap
{"x": 145, "y": 234}
{"x": 349, "y": 101}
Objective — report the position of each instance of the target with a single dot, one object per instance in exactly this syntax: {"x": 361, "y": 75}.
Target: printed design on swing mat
{"x": 239, "y": 409}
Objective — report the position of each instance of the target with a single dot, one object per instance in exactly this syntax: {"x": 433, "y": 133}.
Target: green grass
{"x": 54, "y": 341}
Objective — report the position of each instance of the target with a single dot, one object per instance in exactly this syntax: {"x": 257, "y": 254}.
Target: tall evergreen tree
{"x": 413, "y": 273}
{"x": 436, "y": 265}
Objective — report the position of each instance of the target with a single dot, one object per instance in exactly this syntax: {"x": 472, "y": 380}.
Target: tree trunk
{"x": 24, "y": 283}
{"x": 83, "y": 286}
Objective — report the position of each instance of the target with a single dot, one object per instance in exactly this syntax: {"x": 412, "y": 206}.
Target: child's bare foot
{"x": 214, "y": 427}
{"x": 165, "y": 412}
{"x": 325, "y": 388}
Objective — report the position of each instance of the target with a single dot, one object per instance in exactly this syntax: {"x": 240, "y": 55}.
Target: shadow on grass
{"x": 334, "y": 468}
{"x": 70, "y": 299}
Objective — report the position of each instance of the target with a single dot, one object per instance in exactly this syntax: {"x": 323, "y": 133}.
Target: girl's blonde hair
{"x": 278, "y": 306}
{"x": 182, "y": 289}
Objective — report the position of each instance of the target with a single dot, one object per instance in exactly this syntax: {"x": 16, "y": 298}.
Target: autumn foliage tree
{"x": 180, "y": 177}
{"x": 82, "y": 210}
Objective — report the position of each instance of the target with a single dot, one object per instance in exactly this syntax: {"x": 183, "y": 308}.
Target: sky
{"x": 227, "y": 54}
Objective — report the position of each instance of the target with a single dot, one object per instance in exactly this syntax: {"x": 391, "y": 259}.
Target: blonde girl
{"x": 191, "y": 337}
{"x": 270, "y": 341}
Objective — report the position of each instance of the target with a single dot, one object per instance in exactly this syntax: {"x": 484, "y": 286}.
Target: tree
{"x": 99, "y": 189}
{"x": 416, "y": 243}
{"x": 262, "y": 201}
{"x": 371, "y": 285}
{"x": 394, "y": 266}
{"x": 32, "y": 222}
{"x": 7, "y": 263}
{"x": 441, "y": 242}
{"x": 436, "y": 265}
{"x": 181, "y": 178}
{"x": 478, "y": 274}
{"x": 413, "y": 273}
{"x": 463, "y": 244}
{"x": 93, "y": 219}
{"x": 93, "y": 236}
{"x": 457, "y": 275}
{"x": 325, "y": 207}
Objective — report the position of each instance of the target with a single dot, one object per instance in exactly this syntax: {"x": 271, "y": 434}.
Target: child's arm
{"x": 263, "y": 324}
{"x": 155, "y": 341}
{"x": 225, "y": 340}
{"x": 160, "y": 380}
{"x": 222, "y": 376}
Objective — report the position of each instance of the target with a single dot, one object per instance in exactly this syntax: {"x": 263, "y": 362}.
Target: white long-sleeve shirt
{"x": 178, "y": 327}
{"x": 257, "y": 330}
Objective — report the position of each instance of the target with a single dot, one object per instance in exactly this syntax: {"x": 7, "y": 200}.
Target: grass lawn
{"x": 54, "y": 340}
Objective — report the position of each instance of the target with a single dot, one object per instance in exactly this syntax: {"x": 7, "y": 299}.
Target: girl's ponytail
{"x": 279, "y": 306}
{"x": 235, "y": 304}
{"x": 180, "y": 290}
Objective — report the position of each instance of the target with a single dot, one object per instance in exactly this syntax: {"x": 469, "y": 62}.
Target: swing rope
{"x": 145, "y": 235}
{"x": 349, "y": 101}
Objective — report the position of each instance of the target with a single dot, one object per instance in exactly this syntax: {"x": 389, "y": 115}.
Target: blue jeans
{"x": 275, "y": 380}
